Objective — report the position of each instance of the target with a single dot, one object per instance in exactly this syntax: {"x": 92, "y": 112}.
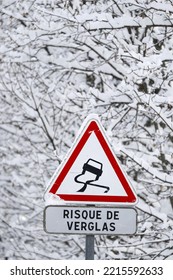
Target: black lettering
{"x": 83, "y": 226}
{"x": 66, "y": 214}
{"x": 37, "y": 272}
{"x": 109, "y": 215}
{"x": 76, "y": 225}
{"x": 77, "y": 214}
{"x": 30, "y": 271}
{"x": 91, "y": 214}
{"x": 105, "y": 227}
{"x": 96, "y": 227}
{"x": 116, "y": 215}
{"x": 12, "y": 271}
{"x": 67, "y": 271}
{"x": 84, "y": 214}
{"x": 69, "y": 224}
{"x": 98, "y": 215}
{"x": 46, "y": 271}
{"x": 112, "y": 227}
{"x": 56, "y": 272}
{"x": 63, "y": 271}
{"x": 91, "y": 226}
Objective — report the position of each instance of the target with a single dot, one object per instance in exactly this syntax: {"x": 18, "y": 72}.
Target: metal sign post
{"x": 89, "y": 247}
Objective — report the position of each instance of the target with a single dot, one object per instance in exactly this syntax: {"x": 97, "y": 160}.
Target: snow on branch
{"x": 155, "y": 173}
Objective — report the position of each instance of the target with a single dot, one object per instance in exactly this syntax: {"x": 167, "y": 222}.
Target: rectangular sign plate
{"x": 90, "y": 220}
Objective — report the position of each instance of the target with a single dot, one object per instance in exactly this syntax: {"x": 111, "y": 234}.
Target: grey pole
{"x": 89, "y": 247}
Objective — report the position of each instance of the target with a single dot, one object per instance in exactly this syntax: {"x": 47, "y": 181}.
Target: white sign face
{"x": 90, "y": 220}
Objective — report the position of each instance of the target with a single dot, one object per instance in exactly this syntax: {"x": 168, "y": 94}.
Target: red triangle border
{"x": 129, "y": 199}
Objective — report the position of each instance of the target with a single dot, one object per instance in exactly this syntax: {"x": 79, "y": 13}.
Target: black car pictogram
{"x": 94, "y": 167}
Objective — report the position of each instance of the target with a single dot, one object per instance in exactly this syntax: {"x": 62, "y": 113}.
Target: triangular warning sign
{"x": 91, "y": 172}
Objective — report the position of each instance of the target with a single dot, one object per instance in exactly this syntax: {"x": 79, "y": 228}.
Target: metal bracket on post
{"x": 89, "y": 247}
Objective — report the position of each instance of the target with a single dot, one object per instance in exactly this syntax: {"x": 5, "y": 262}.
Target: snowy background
{"x": 60, "y": 61}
